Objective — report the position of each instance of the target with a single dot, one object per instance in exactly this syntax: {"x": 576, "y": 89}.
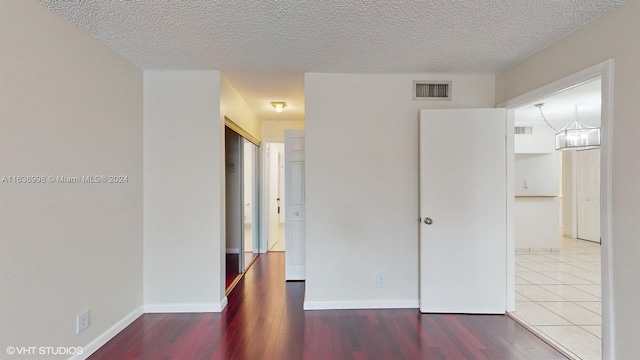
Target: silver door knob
{"x": 428, "y": 221}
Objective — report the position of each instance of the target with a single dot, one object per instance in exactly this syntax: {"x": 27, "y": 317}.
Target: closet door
{"x": 295, "y": 250}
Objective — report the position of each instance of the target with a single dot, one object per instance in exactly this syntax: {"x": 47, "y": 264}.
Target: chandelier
{"x": 575, "y": 135}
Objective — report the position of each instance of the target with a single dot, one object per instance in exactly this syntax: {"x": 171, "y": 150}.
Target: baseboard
{"x": 150, "y": 308}
{"x": 109, "y": 334}
{"x": 233, "y": 251}
{"x": 362, "y": 304}
{"x": 536, "y": 250}
{"x": 186, "y": 307}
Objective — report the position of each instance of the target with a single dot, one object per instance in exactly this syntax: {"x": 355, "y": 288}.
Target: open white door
{"x": 588, "y": 194}
{"x": 294, "y": 205}
{"x": 463, "y": 211}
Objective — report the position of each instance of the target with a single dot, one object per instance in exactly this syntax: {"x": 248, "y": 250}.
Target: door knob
{"x": 428, "y": 221}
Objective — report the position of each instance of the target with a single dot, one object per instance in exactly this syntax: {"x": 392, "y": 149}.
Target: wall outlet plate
{"x": 82, "y": 322}
{"x": 380, "y": 280}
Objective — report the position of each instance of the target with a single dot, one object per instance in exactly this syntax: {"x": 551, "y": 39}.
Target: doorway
{"x": 558, "y": 291}
{"x": 275, "y": 196}
{"x": 241, "y": 205}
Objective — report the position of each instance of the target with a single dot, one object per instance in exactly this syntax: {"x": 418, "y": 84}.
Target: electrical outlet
{"x": 380, "y": 280}
{"x": 82, "y": 322}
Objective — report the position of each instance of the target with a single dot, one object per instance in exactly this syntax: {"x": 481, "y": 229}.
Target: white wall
{"x": 536, "y": 217}
{"x": 233, "y": 106}
{"x": 273, "y": 130}
{"x": 542, "y": 140}
{"x": 616, "y": 35}
{"x": 183, "y": 191}
{"x": 539, "y": 171}
{"x": 362, "y": 183}
{"x": 536, "y": 224}
{"x": 70, "y": 107}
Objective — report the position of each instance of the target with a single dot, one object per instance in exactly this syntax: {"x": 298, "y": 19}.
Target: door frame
{"x": 604, "y": 70}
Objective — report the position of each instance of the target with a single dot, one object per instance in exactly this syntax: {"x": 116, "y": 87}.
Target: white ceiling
{"x": 559, "y": 108}
{"x": 264, "y": 47}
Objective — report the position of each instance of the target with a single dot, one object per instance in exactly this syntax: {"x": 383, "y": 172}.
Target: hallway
{"x": 265, "y": 320}
{"x": 278, "y": 245}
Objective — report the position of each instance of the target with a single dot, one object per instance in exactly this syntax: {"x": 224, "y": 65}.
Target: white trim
{"x": 232, "y": 251}
{"x": 537, "y": 250}
{"x": 510, "y": 209}
{"x": 605, "y": 70}
{"x": 574, "y": 197}
{"x": 362, "y": 304}
{"x": 559, "y": 86}
{"x": 98, "y": 342}
{"x": 606, "y": 234}
{"x": 185, "y": 307}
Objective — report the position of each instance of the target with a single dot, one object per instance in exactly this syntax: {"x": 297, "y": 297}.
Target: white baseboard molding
{"x": 362, "y": 304}
{"x": 144, "y": 309}
{"x": 186, "y": 307}
{"x": 233, "y": 251}
{"x": 108, "y": 335}
{"x": 534, "y": 250}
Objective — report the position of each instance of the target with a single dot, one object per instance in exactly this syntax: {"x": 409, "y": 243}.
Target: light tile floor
{"x": 559, "y": 295}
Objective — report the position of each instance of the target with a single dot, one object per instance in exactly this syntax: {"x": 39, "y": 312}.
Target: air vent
{"x": 518, "y": 130}
{"x": 432, "y": 90}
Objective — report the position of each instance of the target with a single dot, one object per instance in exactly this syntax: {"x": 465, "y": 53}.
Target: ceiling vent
{"x": 519, "y": 130}
{"x": 432, "y": 90}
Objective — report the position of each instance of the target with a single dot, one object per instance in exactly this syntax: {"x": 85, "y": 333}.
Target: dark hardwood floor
{"x": 232, "y": 269}
{"x": 265, "y": 320}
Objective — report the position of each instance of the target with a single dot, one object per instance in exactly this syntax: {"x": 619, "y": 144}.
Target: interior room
{"x": 557, "y": 226}
{"x": 142, "y": 93}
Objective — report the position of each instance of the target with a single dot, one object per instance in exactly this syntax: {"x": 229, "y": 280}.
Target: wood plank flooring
{"x": 232, "y": 269}
{"x": 265, "y": 320}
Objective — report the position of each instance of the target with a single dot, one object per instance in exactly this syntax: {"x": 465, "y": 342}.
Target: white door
{"x": 294, "y": 205}
{"x": 588, "y": 191}
{"x": 463, "y": 211}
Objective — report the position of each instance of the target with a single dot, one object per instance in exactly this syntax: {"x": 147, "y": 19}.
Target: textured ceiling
{"x": 559, "y": 108}
{"x": 264, "y": 47}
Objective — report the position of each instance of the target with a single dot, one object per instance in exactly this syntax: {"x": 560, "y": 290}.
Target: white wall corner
{"x": 98, "y": 342}
{"x": 362, "y": 304}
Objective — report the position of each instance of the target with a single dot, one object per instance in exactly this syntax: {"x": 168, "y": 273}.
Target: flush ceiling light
{"x": 575, "y": 135}
{"x": 279, "y": 106}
